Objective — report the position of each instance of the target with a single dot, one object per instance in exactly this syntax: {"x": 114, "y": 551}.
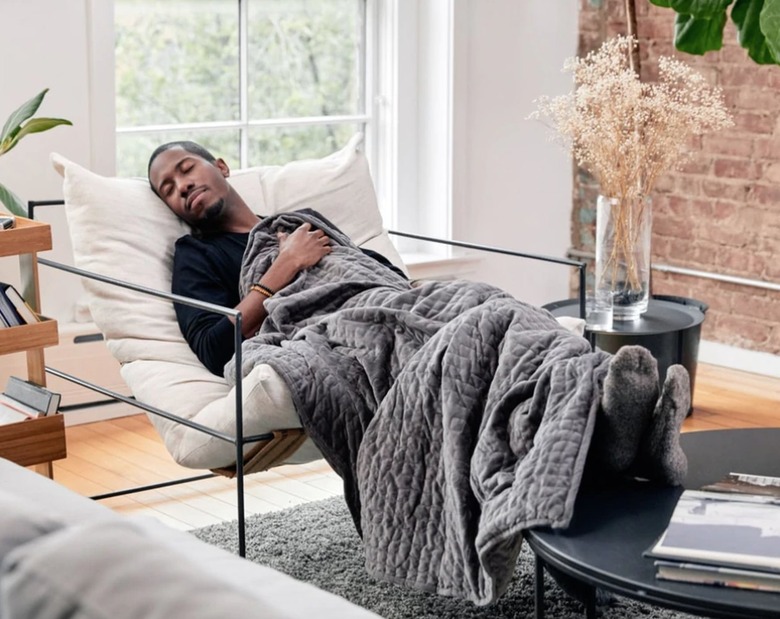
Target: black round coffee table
{"x": 614, "y": 525}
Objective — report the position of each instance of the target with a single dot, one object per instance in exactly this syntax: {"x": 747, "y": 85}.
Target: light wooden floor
{"x": 126, "y": 452}
{"x": 121, "y": 453}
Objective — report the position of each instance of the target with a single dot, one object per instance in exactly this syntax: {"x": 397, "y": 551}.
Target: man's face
{"x": 193, "y": 188}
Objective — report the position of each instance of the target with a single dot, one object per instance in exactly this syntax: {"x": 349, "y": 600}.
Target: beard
{"x": 210, "y": 222}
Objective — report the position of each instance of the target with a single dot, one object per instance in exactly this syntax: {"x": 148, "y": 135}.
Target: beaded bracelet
{"x": 264, "y": 290}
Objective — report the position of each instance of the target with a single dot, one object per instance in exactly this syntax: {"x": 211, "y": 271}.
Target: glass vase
{"x": 623, "y": 229}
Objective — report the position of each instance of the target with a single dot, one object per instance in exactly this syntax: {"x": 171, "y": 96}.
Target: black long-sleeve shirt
{"x": 209, "y": 269}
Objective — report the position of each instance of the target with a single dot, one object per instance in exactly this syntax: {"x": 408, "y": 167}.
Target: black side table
{"x": 670, "y": 330}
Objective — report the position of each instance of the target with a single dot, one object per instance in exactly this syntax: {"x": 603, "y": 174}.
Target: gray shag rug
{"x": 317, "y": 543}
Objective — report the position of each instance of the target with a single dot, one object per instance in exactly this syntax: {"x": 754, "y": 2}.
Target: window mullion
{"x": 362, "y": 55}
{"x": 384, "y": 108}
{"x": 243, "y": 79}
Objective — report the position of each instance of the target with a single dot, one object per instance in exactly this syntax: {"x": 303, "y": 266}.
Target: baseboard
{"x": 735, "y": 358}
{"x": 100, "y": 413}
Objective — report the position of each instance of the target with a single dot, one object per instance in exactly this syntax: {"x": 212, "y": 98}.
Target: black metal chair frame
{"x": 239, "y": 440}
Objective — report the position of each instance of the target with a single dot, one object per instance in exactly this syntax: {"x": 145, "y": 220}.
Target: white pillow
{"x": 121, "y": 229}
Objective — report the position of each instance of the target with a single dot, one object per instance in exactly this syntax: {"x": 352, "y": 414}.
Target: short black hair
{"x": 190, "y": 147}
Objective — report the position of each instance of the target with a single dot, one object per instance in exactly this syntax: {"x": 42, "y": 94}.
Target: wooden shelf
{"x": 25, "y": 337}
{"x": 34, "y": 441}
{"x": 26, "y": 237}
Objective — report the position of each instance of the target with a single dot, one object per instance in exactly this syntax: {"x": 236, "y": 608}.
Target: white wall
{"x": 512, "y": 186}
{"x": 45, "y": 44}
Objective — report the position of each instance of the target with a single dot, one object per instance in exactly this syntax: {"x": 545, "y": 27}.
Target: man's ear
{"x": 223, "y": 167}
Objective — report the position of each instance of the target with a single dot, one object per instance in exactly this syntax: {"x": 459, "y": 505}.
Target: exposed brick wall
{"x": 721, "y": 212}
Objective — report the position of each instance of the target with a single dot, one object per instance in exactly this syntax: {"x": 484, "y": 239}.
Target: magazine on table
{"x": 723, "y": 530}
{"x": 743, "y": 483}
{"x": 703, "y": 574}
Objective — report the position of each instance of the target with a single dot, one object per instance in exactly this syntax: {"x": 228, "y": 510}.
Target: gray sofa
{"x": 63, "y": 555}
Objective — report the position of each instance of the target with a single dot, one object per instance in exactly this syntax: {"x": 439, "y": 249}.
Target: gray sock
{"x": 660, "y": 457}
{"x": 630, "y": 393}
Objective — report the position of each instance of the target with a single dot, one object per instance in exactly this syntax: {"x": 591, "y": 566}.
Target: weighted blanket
{"x": 456, "y": 415}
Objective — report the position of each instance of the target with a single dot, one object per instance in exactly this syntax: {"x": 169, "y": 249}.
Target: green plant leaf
{"x": 25, "y": 111}
{"x": 12, "y": 201}
{"x": 770, "y": 26}
{"x": 699, "y": 26}
{"x": 705, "y": 9}
{"x": 697, "y": 35}
{"x": 745, "y": 15}
{"x": 34, "y": 125}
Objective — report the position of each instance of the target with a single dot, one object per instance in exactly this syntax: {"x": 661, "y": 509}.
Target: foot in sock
{"x": 660, "y": 456}
{"x": 629, "y": 396}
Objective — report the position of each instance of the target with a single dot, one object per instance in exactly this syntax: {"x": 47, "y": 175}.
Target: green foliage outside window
{"x": 178, "y": 62}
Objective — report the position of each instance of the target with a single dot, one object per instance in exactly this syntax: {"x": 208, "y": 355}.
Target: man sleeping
{"x": 207, "y": 263}
{"x": 456, "y": 415}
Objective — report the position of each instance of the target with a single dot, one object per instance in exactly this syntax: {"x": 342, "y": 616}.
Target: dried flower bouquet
{"x": 627, "y": 133}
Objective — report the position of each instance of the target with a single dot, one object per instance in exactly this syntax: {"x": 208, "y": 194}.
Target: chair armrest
{"x": 225, "y": 311}
{"x": 580, "y": 266}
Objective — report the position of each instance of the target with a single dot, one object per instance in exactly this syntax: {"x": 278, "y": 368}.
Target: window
{"x": 269, "y": 81}
{"x": 255, "y": 81}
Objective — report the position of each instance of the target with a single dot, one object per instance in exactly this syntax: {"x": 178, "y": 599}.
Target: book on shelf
{"x": 703, "y": 574}
{"x": 32, "y": 395}
{"x": 8, "y": 315}
{"x": 728, "y": 530}
{"x": 14, "y": 310}
{"x": 20, "y": 305}
{"x": 13, "y": 412}
{"x": 23, "y": 400}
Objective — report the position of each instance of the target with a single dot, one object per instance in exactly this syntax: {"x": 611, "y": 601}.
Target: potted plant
{"x": 19, "y": 124}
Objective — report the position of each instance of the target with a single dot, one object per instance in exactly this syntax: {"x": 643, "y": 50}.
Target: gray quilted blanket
{"x": 456, "y": 415}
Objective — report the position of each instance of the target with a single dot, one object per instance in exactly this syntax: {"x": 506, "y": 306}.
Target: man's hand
{"x": 304, "y": 247}
{"x": 301, "y": 249}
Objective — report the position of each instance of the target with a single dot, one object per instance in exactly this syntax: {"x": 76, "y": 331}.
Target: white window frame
{"x": 412, "y": 86}
{"x": 408, "y": 112}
